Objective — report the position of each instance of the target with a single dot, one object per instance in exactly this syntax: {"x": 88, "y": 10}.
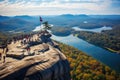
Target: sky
{"x": 58, "y": 7}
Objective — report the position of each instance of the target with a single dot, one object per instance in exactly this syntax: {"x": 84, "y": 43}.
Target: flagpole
{"x": 40, "y": 20}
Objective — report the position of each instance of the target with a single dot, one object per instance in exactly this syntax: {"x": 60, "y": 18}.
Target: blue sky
{"x": 57, "y": 7}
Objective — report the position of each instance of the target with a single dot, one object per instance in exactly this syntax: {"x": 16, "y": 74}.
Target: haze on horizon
{"x": 57, "y": 7}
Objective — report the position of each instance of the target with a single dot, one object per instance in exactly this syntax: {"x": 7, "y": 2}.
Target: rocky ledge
{"x": 49, "y": 65}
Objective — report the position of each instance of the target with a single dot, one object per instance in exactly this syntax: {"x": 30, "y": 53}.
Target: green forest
{"x": 108, "y": 39}
{"x": 84, "y": 67}
{"x": 61, "y": 31}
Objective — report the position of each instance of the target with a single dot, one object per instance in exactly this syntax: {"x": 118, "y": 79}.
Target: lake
{"x": 92, "y": 30}
{"x": 102, "y": 55}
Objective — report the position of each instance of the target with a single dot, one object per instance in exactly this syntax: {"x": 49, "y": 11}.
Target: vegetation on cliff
{"x": 84, "y": 67}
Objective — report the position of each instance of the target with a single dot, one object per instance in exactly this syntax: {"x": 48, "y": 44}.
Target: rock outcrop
{"x": 48, "y": 65}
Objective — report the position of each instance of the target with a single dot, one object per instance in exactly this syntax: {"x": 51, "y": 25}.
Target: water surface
{"x": 104, "y": 56}
{"x": 92, "y": 30}
{"x": 100, "y": 54}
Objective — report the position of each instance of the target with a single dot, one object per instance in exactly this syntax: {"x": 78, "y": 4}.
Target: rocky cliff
{"x": 48, "y": 65}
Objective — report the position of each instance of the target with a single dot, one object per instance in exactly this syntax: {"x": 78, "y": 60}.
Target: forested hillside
{"x": 109, "y": 39}
{"x": 115, "y": 32}
{"x": 84, "y": 67}
{"x": 61, "y": 31}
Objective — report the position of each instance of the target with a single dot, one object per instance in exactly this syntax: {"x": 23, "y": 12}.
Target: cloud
{"x": 53, "y": 7}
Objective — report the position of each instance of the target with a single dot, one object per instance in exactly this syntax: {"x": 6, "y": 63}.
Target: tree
{"x": 46, "y": 26}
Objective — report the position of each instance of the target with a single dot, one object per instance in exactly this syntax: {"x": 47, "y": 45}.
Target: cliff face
{"x": 49, "y": 65}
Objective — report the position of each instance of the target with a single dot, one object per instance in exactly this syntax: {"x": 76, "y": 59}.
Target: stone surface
{"x": 48, "y": 65}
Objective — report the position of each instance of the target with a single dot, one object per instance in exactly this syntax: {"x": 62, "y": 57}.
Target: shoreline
{"x": 106, "y": 48}
{"x": 111, "y": 50}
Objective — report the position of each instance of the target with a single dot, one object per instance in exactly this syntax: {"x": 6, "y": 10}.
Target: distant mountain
{"x": 3, "y": 18}
{"x": 27, "y": 23}
{"x": 16, "y": 25}
{"x": 83, "y": 16}
{"x": 68, "y": 20}
{"x": 106, "y": 16}
{"x": 74, "y": 16}
{"x": 24, "y": 17}
{"x": 66, "y": 15}
{"x": 32, "y": 19}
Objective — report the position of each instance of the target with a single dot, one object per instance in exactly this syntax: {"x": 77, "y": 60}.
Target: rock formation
{"x": 45, "y": 63}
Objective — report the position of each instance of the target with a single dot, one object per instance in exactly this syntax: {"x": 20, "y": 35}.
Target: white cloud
{"x": 50, "y": 7}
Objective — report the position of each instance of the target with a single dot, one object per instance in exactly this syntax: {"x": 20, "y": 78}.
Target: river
{"x": 102, "y": 55}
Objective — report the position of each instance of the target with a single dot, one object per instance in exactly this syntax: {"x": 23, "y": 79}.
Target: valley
{"x": 98, "y": 41}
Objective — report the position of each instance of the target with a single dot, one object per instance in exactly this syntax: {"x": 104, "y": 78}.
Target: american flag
{"x": 41, "y": 19}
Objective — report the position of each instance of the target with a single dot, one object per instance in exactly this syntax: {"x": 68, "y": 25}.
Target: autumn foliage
{"x": 84, "y": 67}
